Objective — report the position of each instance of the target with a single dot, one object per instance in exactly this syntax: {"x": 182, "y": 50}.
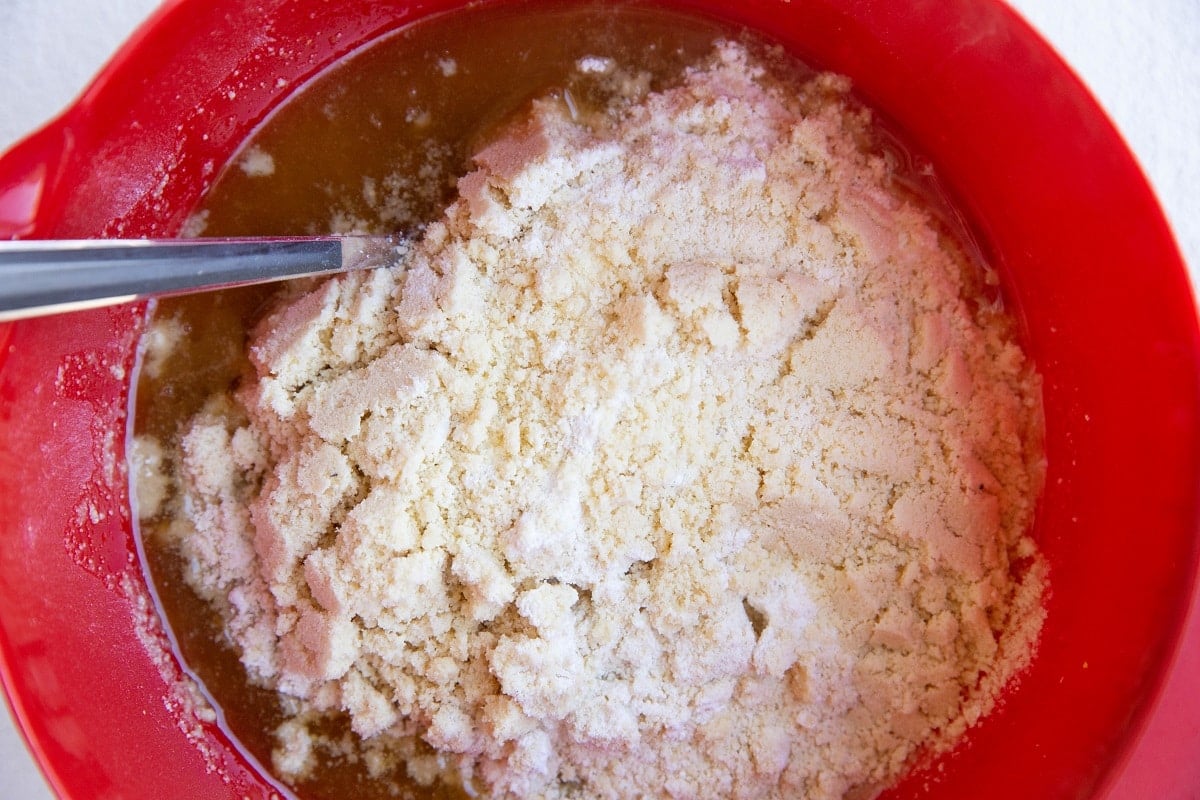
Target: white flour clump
{"x": 678, "y": 461}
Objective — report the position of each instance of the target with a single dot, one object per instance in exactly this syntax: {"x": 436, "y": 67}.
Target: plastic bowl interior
{"x": 1081, "y": 245}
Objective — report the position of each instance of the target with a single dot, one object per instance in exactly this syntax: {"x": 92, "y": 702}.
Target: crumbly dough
{"x": 678, "y": 460}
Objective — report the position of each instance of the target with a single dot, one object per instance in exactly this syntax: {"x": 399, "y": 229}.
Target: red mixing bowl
{"x": 1083, "y": 250}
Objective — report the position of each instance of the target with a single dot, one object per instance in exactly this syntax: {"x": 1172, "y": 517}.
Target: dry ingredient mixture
{"x": 680, "y": 458}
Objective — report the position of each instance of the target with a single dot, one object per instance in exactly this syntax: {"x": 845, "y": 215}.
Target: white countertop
{"x": 1141, "y": 59}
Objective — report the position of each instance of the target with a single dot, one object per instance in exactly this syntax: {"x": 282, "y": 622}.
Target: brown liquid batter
{"x": 377, "y": 142}
{"x": 414, "y": 104}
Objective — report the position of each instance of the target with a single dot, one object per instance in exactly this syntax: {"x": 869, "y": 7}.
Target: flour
{"x": 680, "y": 458}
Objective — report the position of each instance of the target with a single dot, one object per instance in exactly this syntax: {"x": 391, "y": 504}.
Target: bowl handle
{"x": 28, "y": 173}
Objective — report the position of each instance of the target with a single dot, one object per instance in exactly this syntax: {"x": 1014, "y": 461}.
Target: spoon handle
{"x": 47, "y": 277}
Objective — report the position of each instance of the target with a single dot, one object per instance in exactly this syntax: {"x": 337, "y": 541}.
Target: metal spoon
{"x": 49, "y": 277}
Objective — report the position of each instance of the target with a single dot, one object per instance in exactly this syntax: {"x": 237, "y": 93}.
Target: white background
{"x": 1141, "y": 58}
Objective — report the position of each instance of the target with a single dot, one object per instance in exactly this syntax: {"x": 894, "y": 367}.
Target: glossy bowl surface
{"x": 1084, "y": 255}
